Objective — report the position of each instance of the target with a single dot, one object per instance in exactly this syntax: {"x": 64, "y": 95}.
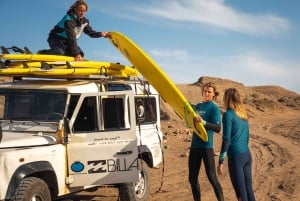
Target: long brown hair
{"x": 232, "y": 100}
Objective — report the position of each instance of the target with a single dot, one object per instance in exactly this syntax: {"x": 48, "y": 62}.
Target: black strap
{"x": 16, "y": 49}
{"x": 5, "y": 50}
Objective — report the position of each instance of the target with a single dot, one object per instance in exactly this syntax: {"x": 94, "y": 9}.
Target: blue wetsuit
{"x": 235, "y": 146}
{"x": 210, "y": 112}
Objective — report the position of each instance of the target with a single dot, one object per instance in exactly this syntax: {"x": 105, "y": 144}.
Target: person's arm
{"x": 92, "y": 33}
{"x": 208, "y": 125}
{"x": 227, "y": 125}
{"x": 214, "y": 123}
{"x": 224, "y": 148}
{"x": 212, "y": 126}
{"x": 225, "y": 142}
{"x": 223, "y": 154}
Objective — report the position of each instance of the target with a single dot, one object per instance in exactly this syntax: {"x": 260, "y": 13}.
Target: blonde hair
{"x": 232, "y": 100}
{"x": 212, "y": 85}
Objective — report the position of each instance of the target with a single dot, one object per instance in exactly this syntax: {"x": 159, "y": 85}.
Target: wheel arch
{"x": 39, "y": 169}
{"x": 137, "y": 191}
{"x": 146, "y": 155}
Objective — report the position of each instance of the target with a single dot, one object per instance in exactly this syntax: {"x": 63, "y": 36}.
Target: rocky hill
{"x": 257, "y": 99}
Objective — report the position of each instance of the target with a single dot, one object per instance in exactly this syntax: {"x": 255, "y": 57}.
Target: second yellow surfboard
{"x": 63, "y": 68}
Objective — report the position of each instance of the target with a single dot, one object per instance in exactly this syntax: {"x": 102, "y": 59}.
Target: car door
{"x": 102, "y": 146}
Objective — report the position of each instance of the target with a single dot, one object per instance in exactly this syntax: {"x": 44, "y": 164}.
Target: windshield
{"x": 31, "y": 105}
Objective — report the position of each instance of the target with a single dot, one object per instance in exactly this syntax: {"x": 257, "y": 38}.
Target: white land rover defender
{"x": 61, "y": 136}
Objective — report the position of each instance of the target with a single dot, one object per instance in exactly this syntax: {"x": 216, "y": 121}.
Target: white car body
{"x": 60, "y": 151}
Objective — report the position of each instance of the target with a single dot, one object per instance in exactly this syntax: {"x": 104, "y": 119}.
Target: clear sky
{"x": 255, "y": 42}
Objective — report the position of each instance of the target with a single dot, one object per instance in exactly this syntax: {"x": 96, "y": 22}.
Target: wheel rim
{"x": 37, "y": 197}
{"x": 140, "y": 186}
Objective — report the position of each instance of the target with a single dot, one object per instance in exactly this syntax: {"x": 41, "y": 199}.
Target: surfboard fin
{"x": 25, "y": 65}
{"x": 4, "y": 50}
{"x": 45, "y": 66}
{"x": 68, "y": 65}
{"x": 27, "y": 51}
{"x": 2, "y": 65}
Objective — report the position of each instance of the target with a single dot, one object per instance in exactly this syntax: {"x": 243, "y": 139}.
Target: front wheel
{"x": 137, "y": 191}
{"x": 32, "y": 189}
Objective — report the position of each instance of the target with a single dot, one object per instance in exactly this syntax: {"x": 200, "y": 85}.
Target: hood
{"x": 13, "y": 140}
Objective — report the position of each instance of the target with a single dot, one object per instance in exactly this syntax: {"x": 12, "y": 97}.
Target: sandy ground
{"x": 276, "y": 162}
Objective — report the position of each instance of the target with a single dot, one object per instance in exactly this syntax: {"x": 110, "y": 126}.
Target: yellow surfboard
{"x": 75, "y": 64}
{"x": 36, "y": 57}
{"x": 79, "y": 71}
{"x": 64, "y": 72}
{"x": 16, "y": 71}
{"x": 72, "y": 68}
{"x": 161, "y": 82}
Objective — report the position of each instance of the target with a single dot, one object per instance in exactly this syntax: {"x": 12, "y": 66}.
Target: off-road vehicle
{"x": 63, "y": 136}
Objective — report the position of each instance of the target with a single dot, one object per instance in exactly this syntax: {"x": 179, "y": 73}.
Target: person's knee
{"x": 213, "y": 179}
{"x": 59, "y": 51}
{"x": 192, "y": 180}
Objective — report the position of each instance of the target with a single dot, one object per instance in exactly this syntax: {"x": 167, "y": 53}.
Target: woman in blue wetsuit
{"x": 63, "y": 37}
{"x": 235, "y": 146}
{"x": 210, "y": 116}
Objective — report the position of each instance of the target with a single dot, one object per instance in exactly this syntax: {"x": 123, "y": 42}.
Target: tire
{"x": 137, "y": 191}
{"x": 32, "y": 189}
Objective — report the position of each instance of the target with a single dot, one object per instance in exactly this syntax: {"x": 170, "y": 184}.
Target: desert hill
{"x": 257, "y": 98}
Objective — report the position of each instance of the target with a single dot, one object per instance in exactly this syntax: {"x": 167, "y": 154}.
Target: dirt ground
{"x": 275, "y": 138}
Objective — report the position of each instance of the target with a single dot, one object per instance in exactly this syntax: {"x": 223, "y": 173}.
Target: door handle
{"x": 124, "y": 152}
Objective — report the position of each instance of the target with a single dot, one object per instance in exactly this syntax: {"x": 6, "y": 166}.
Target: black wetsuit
{"x": 63, "y": 37}
{"x": 201, "y": 150}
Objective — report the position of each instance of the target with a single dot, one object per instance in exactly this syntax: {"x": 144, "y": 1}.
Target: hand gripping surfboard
{"x": 161, "y": 82}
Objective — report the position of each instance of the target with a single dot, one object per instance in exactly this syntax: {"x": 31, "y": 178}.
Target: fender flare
{"x": 31, "y": 169}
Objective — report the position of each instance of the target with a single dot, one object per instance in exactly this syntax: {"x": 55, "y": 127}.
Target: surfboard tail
{"x": 197, "y": 127}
